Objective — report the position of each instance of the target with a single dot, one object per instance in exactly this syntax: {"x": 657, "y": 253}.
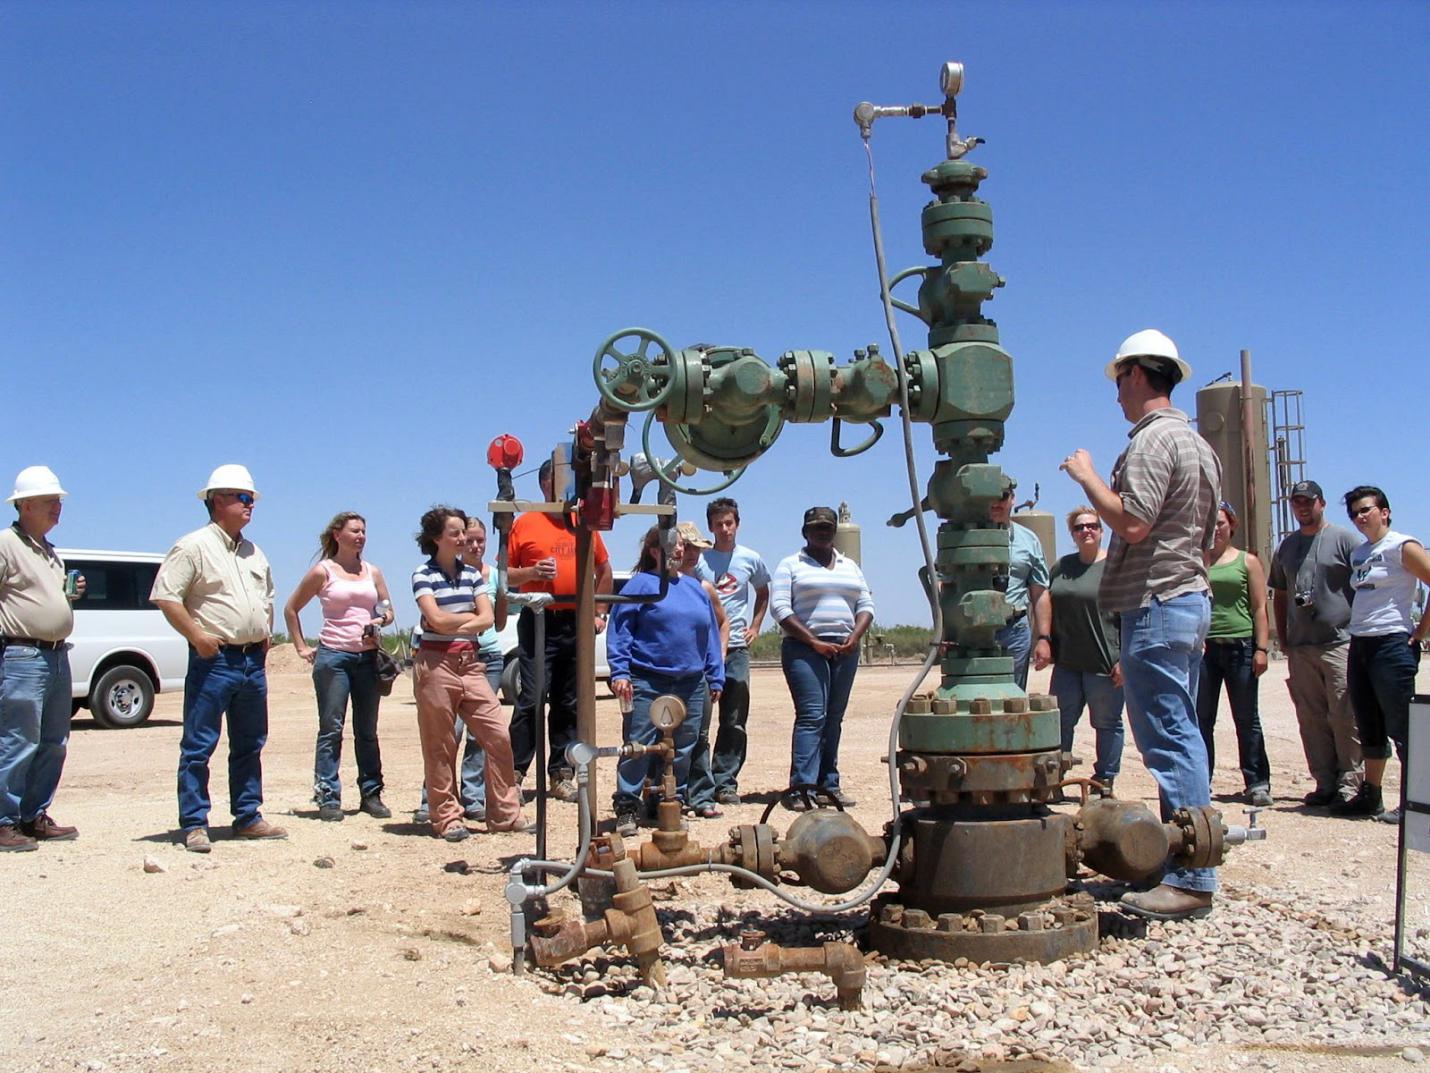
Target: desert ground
{"x": 369, "y": 945}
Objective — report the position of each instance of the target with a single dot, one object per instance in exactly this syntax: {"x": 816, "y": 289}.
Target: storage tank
{"x": 1044, "y": 527}
{"x": 1219, "y": 421}
{"x": 848, "y": 537}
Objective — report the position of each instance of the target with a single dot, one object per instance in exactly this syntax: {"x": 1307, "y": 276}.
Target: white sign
{"x": 1417, "y": 777}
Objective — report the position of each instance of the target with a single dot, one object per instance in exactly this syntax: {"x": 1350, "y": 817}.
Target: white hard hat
{"x": 1150, "y": 343}
{"x": 36, "y": 481}
{"x": 229, "y": 475}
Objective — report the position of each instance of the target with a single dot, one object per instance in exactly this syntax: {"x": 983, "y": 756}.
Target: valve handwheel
{"x": 641, "y": 380}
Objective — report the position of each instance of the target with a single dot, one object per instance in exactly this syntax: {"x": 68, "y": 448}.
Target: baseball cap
{"x": 691, "y": 535}
{"x": 821, "y": 516}
{"x": 1309, "y": 489}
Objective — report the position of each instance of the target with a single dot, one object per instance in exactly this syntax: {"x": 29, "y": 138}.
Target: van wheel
{"x": 510, "y": 681}
{"x": 122, "y": 698}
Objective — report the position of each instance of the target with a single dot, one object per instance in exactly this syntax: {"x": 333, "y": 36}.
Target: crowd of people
{"x": 1156, "y": 623}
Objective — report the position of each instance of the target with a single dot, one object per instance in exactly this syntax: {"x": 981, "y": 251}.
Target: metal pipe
{"x": 1252, "y": 505}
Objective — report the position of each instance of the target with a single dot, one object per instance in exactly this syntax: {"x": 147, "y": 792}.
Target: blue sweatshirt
{"x": 677, "y": 636}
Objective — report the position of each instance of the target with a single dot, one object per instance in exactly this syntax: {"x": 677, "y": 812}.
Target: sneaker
{"x": 727, "y": 797}
{"x": 260, "y": 829}
{"x": 1320, "y": 797}
{"x": 1365, "y": 803}
{"x": 627, "y": 824}
{"x": 421, "y": 815}
{"x": 521, "y": 827}
{"x": 1390, "y": 815}
{"x": 456, "y": 833}
{"x": 196, "y": 840}
{"x": 1259, "y": 796}
{"x": 563, "y": 790}
{"x": 330, "y": 813}
{"x": 1168, "y": 903}
{"x": 795, "y": 802}
{"x": 373, "y": 806}
{"x": 44, "y": 829}
{"x": 476, "y": 815}
{"x": 845, "y": 801}
{"x": 13, "y": 840}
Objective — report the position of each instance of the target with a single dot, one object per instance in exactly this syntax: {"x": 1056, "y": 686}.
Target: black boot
{"x": 1365, "y": 803}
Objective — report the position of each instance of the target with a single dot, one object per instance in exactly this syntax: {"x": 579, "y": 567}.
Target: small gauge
{"x": 950, "y": 79}
{"x": 667, "y": 712}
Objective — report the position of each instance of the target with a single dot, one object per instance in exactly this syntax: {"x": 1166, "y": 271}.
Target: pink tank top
{"x": 347, "y": 609}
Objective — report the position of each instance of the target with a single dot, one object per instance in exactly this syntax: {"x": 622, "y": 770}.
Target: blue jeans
{"x": 1017, "y": 641}
{"x": 473, "y": 775}
{"x": 1230, "y": 661}
{"x": 728, "y": 756}
{"x": 637, "y": 727}
{"x": 34, "y": 729}
{"x": 232, "y": 682}
{"x": 1103, "y": 700}
{"x": 1161, "y": 661}
{"x": 702, "y": 781}
{"x": 1380, "y": 674}
{"x": 338, "y": 676}
{"x": 820, "y": 689}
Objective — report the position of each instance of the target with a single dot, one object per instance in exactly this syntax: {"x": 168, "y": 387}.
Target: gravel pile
{"x": 1268, "y": 967}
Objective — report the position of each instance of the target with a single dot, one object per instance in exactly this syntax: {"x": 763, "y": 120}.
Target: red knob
{"x": 505, "y": 452}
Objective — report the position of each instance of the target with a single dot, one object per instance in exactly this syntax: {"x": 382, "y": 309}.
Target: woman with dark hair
{"x": 450, "y": 679}
{"x": 356, "y": 606}
{"x": 670, "y": 646}
{"x": 1385, "y": 642}
{"x": 1235, "y": 654}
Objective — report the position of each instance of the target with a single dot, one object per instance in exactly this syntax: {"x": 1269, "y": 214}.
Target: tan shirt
{"x": 32, "y": 589}
{"x": 225, "y": 584}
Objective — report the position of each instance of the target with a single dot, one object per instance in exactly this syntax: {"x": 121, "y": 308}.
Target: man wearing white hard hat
{"x": 215, "y": 587}
{"x": 35, "y": 619}
{"x": 1161, "y": 507}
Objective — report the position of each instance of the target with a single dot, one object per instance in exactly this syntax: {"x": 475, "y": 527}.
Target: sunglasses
{"x": 1364, "y": 511}
{"x": 1086, "y": 526}
{"x": 246, "y": 498}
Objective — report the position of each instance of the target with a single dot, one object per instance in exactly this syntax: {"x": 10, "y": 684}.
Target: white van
{"x": 123, "y": 650}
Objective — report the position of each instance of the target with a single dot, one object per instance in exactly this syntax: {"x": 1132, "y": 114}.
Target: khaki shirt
{"x": 225, "y": 584}
{"x": 32, "y": 589}
{"x": 1170, "y": 479}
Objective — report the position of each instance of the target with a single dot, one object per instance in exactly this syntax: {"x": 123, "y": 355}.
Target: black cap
{"x": 1309, "y": 489}
{"x": 820, "y": 516}
{"x": 544, "y": 472}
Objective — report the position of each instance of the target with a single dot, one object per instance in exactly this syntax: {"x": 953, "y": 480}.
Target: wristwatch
{"x": 1045, "y": 637}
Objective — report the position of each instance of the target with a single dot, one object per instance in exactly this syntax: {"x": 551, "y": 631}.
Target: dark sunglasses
{"x": 246, "y": 498}
{"x": 1364, "y": 511}
{"x": 1086, "y": 525}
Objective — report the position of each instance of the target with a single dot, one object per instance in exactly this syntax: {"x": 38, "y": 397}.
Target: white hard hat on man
{"x": 230, "y": 475}
{"x": 1152, "y": 350}
{"x": 35, "y": 481}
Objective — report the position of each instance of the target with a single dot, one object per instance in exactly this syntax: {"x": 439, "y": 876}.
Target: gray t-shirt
{"x": 1086, "y": 638}
{"x": 736, "y": 575}
{"x": 1321, "y": 565}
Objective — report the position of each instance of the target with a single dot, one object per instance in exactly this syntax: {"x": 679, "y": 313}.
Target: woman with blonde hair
{"x": 356, "y": 606}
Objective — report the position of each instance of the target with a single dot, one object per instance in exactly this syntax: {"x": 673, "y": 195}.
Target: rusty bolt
{"x": 917, "y": 918}
{"x": 990, "y": 923}
{"x": 751, "y": 938}
{"x": 1030, "y": 921}
{"x": 950, "y": 922}
{"x": 980, "y": 706}
{"x": 1015, "y": 705}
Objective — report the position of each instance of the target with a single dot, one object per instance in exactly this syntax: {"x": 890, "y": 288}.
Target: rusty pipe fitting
{"x": 1121, "y": 839}
{"x": 830, "y": 851}
{"x": 1197, "y": 836}
{"x": 754, "y": 959}
{"x": 630, "y": 922}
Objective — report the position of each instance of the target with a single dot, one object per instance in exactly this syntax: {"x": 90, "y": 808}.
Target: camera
{"x": 1305, "y": 598}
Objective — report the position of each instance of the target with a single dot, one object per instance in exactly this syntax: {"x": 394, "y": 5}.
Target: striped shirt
{"x": 455, "y": 595}
{"x": 825, "y": 599}
{"x": 1170, "y": 479}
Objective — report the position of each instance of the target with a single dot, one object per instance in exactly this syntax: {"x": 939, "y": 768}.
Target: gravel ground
{"x": 368, "y": 945}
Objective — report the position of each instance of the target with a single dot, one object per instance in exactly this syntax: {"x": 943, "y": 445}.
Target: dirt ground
{"x": 369, "y": 945}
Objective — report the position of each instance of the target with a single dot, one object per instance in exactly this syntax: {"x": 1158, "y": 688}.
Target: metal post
{"x": 586, "y": 649}
{"x": 1248, "y": 459}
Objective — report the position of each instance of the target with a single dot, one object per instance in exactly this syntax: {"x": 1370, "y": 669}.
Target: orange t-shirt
{"x": 536, "y": 536}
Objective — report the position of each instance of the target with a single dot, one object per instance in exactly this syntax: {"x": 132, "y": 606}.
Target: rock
{"x": 472, "y": 907}
{"x": 357, "y": 844}
{"x": 284, "y": 912}
{"x": 1413, "y": 1054}
{"x": 246, "y": 998}
{"x": 225, "y": 929}
{"x": 499, "y": 963}
{"x": 323, "y": 862}
{"x": 153, "y": 865}
{"x": 299, "y": 927}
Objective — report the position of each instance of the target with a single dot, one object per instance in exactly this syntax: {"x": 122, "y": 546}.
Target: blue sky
{"x": 347, "y": 244}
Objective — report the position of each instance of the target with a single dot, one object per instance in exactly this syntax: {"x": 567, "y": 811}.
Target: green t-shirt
{"x": 1085, "y": 638}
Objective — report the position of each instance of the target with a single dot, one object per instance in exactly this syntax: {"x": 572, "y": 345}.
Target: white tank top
{"x": 1385, "y": 590}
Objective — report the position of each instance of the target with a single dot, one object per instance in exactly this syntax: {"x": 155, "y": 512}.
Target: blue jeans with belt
{"x": 1017, "y": 641}
{"x": 1161, "y": 662}
{"x": 338, "y": 676}
{"x": 1232, "y": 661}
{"x": 820, "y": 690}
{"x": 233, "y": 682}
{"x": 34, "y": 729}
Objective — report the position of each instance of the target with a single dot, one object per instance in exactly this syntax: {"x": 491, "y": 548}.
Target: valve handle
{"x": 849, "y": 452}
{"x": 917, "y": 270}
{"x": 639, "y": 381}
{"x": 731, "y": 475}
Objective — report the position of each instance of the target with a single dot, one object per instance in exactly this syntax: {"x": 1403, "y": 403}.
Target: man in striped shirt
{"x": 1161, "y": 508}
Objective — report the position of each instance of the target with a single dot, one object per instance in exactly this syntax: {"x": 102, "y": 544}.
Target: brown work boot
{"x": 13, "y": 840}
{"x": 196, "y": 840}
{"x": 43, "y": 829}
{"x": 1169, "y": 903}
{"x": 260, "y": 829}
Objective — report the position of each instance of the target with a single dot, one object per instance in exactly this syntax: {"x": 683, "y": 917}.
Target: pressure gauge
{"x": 950, "y": 79}
{"x": 667, "y": 712}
